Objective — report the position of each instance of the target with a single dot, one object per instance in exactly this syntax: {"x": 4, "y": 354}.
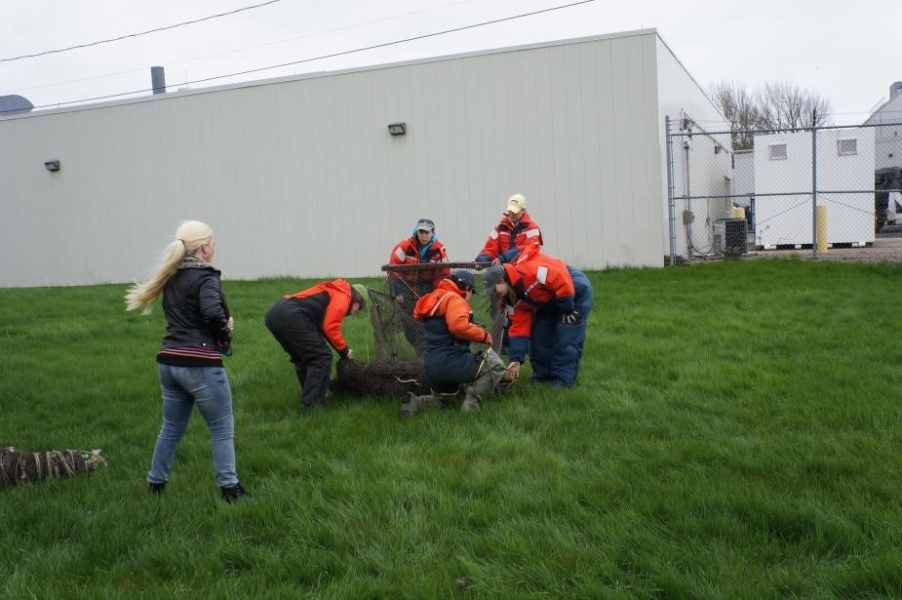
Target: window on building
{"x": 847, "y": 147}
{"x": 777, "y": 151}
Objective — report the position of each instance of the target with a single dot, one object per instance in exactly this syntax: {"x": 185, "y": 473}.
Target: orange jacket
{"x": 335, "y": 298}
{"x": 420, "y": 281}
{"x": 537, "y": 279}
{"x": 507, "y": 240}
{"x": 448, "y": 301}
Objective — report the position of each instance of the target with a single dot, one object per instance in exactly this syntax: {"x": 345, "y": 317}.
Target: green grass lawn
{"x": 736, "y": 432}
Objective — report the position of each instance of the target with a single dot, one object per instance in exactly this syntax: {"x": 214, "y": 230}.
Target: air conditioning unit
{"x": 730, "y": 237}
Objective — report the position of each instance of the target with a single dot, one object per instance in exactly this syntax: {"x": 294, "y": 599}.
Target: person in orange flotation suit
{"x": 450, "y": 329}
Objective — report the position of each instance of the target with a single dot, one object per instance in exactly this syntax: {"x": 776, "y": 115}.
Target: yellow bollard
{"x": 822, "y": 229}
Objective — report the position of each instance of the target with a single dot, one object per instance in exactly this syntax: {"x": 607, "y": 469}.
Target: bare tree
{"x": 741, "y": 110}
{"x": 786, "y": 106}
{"x": 775, "y": 106}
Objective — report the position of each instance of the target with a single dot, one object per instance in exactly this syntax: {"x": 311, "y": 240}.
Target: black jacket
{"x": 196, "y": 309}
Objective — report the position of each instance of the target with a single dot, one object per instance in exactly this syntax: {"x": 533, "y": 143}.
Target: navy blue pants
{"x": 556, "y": 348}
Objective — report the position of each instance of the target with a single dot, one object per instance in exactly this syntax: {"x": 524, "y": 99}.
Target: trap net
{"x": 381, "y": 378}
{"x": 399, "y": 339}
{"x": 398, "y": 335}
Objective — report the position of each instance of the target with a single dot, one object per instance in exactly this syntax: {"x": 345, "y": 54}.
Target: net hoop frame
{"x": 472, "y": 265}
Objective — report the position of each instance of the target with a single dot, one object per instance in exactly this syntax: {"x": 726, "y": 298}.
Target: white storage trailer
{"x": 784, "y": 212}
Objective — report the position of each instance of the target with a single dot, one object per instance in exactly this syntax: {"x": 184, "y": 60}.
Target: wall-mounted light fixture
{"x": 52, "y": 165}
{"x": 399, "y": 128}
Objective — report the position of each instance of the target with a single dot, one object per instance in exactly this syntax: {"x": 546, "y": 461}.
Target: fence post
{"x": 814, "y": 231}
{"x": 671, "y": 213}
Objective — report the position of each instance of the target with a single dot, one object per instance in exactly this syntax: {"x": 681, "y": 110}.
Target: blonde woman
{"x": 198, "y": 333}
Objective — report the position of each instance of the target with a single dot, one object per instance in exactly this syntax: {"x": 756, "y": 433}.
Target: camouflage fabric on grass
{"x": 28, "y": 467}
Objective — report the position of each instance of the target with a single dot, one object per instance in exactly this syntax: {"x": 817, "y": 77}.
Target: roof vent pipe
{"x": 158, "y": 79}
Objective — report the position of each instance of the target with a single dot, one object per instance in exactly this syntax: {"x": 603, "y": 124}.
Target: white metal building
{"x": 299, "y": 176}
{"x": 889, "y": 138}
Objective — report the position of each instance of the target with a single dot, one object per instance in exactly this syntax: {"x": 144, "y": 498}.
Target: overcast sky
{"x": 847, "y": 51}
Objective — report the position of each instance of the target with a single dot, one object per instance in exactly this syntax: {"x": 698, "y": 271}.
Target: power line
{"x": 263, "y": 45}
{"x": 131, "y": 35}
{"x": 332, "y": 55}
{"x": 328, "y": 31}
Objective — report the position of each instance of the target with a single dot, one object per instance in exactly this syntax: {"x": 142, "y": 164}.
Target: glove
{"x": 570, "y": 317}
{"x": 224, "y": 342}
{"x": 399, "y": 299}
{"x": 224, "y": 346}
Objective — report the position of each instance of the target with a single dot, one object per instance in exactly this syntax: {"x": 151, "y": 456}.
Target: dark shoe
{"x": 156, "y": 489}
{"x": 233, "y": 493}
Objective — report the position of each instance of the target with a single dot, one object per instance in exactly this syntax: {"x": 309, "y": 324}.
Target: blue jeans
{"x": 209, "y": 388}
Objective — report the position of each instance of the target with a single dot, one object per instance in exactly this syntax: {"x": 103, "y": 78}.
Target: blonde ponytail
{"x": 189, "y": 237}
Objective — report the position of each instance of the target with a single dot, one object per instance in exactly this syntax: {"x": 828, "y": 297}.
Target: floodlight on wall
{"x": 52, "y": 165}
{"x": 399, "y": 128}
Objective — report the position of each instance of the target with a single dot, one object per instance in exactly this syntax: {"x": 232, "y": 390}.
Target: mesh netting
{"x": 399, "y": 339}
{"x": 398, "y": 335}
{"x": 382, "y": 378}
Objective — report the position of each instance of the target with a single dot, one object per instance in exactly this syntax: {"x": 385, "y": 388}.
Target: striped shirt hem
{"x": 190, "y": 356}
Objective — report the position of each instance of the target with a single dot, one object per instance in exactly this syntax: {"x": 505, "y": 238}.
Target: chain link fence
{"x": 825, "y": 192}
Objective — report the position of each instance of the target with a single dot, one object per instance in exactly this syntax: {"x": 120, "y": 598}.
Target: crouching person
{"x": 448, "y": 320}
{"x": 548, "y": 303}
{"x": 303, "y": 322}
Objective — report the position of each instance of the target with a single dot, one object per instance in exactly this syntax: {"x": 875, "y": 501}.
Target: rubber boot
{"x": 471, "y": 401}
{"x": 491, "y": 372}
{"x": 415, "y": 404}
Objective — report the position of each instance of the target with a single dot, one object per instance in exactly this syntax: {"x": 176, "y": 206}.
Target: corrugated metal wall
{"x": 299, "y": 176}
{"x": 697, "y": 171}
